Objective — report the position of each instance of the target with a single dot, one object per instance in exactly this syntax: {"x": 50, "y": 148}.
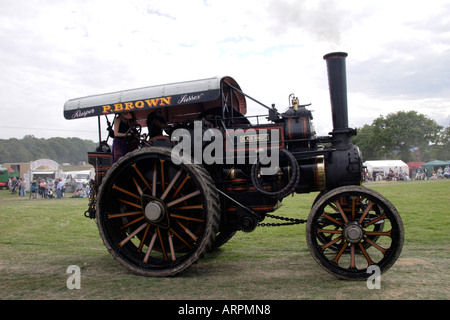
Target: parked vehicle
{"x": 5, "y": 175}
{"x": 82, "y": 177}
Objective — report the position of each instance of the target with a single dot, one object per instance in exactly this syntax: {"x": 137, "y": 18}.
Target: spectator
{"x": 79, "y": 193}
{"x": 22, "y": 188}
{"x": 14, "y": 185}
{"x": 63, "y": 190}
{"x": 33, "y": 189}
{"x": 59, "y": 187}
{"x": 440, "y": 173}
{"x": 447, "y": 172}
{"x": 42, "y": 188}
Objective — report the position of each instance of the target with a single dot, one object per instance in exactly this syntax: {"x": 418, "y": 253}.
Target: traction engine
{"x": 211, "y": 172}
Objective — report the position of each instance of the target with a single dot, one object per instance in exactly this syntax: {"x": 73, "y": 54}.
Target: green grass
{"x": 39, "y": 239}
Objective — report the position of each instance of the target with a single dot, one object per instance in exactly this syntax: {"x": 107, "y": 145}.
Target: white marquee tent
{"x": 386, "y": 165}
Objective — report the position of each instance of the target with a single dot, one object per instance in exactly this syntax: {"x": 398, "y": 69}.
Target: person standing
{"x": 33, "y": 189}
{"x": 122, "y": 123}
{"x": 22, "y": 190}
{"x": 59, "y": 187}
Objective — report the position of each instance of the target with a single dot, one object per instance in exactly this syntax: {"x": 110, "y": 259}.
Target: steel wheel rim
{"x": 346, "y": 240}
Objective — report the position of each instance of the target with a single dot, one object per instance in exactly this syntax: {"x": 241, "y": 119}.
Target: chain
{"x": 90, "y": 212}
{"x": 292, "y": 221}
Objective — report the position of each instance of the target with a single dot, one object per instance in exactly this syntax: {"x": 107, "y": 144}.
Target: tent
{"x": 434, "y": 165}
{"x": 413, "y": 166}
{"x": 385, "y": 165}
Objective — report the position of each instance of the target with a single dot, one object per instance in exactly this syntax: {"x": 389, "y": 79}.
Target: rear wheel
{"x": 157, "y": 217}
{"x": 351, "y": 228}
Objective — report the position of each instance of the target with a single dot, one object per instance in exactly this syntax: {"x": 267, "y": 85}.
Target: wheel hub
{"x": 353, "y": 232}
{"x": 154, "y": 211}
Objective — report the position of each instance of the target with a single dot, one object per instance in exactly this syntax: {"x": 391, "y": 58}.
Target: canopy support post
{"x": 99, "y": 133}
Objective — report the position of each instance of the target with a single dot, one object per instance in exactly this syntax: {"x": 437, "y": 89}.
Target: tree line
{"x": 408, "y": 136}
{"x": 30, "y": 148}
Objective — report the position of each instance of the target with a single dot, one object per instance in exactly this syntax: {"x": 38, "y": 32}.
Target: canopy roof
{"x": 415, "y": 164}
{"x": 385, "y": 165}
{"x": 436, "y": 163}
{"x": 177, "y": 98}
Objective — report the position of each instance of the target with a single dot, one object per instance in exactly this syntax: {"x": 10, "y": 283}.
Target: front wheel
{"x": 351, "y": 228}
{"x": 157, "y": 217}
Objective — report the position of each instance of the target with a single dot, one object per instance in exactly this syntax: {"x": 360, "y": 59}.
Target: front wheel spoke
{"x": 338, "y": 206}
{"x": 331, "y": 242}
{"x": 375, "y": 245}
{"x": 329, "y": 231}
{"x": 331, "y": 219}
{"x": 339, "y": 254}
{"x": 376, "y": 220}
{"x": 352, "y": 257}
{"x": 135, "y": 232}
{"x": 366, "y": 212}
{"x": 366, "y": 255}
{"x": 378, "y": 233}
{"x": 353, "y": 207}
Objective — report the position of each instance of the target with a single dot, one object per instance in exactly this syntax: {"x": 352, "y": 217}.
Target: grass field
{"x": 39, "y": 239}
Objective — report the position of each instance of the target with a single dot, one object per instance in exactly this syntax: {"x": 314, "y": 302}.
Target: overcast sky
{"x": 55, "y": 50}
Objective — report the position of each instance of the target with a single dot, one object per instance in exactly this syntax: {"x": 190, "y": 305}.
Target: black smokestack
{"x": 338, "y": 90}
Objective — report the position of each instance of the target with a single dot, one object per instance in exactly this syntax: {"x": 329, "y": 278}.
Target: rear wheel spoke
{"x": 150, "y": 248}
{"x": 132, "y": 234}
{"x": 172, "y": 249}
{"x": 169, "y": 187}
{"x": 124, "y": 214}
{"x": 184, "y": 198}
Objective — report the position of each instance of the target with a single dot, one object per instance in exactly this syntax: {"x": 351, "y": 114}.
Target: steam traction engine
{"x": 159, "y": 211}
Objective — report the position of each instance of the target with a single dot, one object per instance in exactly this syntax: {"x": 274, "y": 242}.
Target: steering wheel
{"x": 133, "y": 137}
